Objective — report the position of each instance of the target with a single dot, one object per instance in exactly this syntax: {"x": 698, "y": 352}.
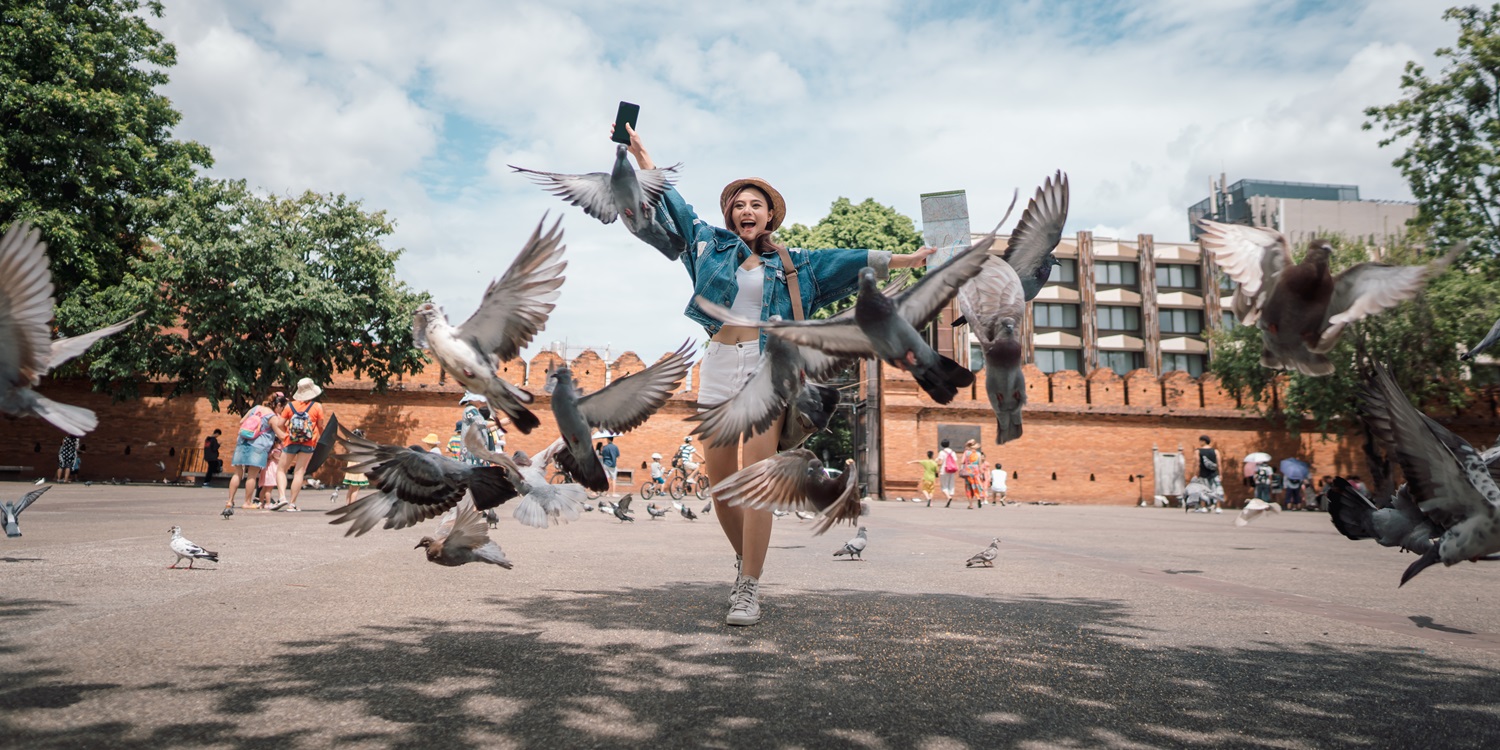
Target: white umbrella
{"x": 602, "y": 434}
{"x": 1257, "y": 458}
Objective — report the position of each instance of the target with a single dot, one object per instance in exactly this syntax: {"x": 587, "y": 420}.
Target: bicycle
{"x": 678, "y": 485}
{"x": 650, "y": 489}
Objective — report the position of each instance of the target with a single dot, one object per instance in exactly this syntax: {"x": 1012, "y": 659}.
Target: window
{"x": 1227, "y": 284}
{"x": 1052, "y": 315}
{"x": 1176, "y": 276}
{"x": 1119, "y": 318}
{"x": 1054, "y": 360}
{"x": 1121, "y": 362}
{"x": 976, "y": 357}
{"x": 1181, "y": 321}
{"x": 1114, "y": 273}
{"x": 1190, "y": 363}
{"x": 1066, "y": 271}
{"x": 1227, "y": 321}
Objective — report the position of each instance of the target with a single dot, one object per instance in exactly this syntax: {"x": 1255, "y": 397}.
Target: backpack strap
{"x": 789, "y": 269}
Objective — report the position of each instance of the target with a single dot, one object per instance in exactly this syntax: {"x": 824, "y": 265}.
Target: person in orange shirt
{"x": 304, "y": 421}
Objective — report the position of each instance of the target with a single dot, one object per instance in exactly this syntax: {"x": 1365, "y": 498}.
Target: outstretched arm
{"x": 912, "y": 260}
{"x": 637, "y": 148}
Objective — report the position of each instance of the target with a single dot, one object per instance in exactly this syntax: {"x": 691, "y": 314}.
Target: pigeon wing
{"x": 516, "y": 306}
{"x": 779, "y": 482}
{"x": 468, "y": 529}
{"x": 29, "y": 498}
{"x": 65, "y": 349}
{"x": 1040, "y": 228}
{"x": 996, "y": 293}
{"x": 25, "y": 306}
{"x": 838, "y": 336}
{"x": 922, "y": 302}
{"x": 624, "y": 404}
{"x": 1252, "y": 256}
{"x": 588, "y": 191}
{"x": 1369, "y": 288}
{"x": 764, "y": 398}
{"x": 654, "y": 182}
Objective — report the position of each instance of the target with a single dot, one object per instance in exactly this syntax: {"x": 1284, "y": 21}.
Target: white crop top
{"x": 752, "y": 286}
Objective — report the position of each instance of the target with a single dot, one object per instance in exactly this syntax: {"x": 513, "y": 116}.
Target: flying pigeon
{"x": 461, "y": 539}
{"x": 855, "y": 547}
{"x": 618, "y": 407}
{"x": 542, "y": 503}
{"x": 161, "y": 466}
{"x": 1488, "y": 341}
{"x": 12, "y": 511}
{"x": 794, "y": 480}
{"x": 1253, "y": 509}
{"x": 623, "y": 192}
{"x": 27, "y": 350}
{"x": 606, "y": 506}
{"x": 185, "y": 549}
{"x": 413, "y": 485}
{"x": 1302, "y": 308}
{"x": 886, "y": 327}
{"x": 1451, "y": 483}
{"x": 513, "y": 310}
{"x": 1397, "y": 522}
{"x": 622, "y": 509}
{"x": 986, "y": 556}
{"x": 994, "y": 305}
{"x": 228, "y": 511}
{"x": 651, "y": 510}
{"x": 1029, "y": 250}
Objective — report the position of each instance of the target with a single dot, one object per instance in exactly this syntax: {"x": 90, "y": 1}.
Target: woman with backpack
{"x": 948, "y": 461}
{"x": 252, "y": 447}
{"x": 304, "y": 425}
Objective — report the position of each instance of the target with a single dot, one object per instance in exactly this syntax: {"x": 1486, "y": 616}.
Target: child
{"x": 269, "y": 479}
{"x": 657, "y": 474}
{"x": 997, "y": 486}
{"x": 354, "y": 480}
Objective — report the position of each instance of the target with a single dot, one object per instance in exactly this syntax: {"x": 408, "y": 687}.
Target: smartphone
{"x": 628, "y": 114}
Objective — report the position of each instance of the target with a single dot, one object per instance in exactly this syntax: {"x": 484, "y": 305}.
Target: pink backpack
{"x": 252, "y": 425}
{"x": 950, "y": 461}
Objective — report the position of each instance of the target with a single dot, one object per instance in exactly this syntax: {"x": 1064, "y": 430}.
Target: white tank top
{"x": 752, "y": 286}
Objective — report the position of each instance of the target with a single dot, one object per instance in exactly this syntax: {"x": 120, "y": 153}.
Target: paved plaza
{"x": 1098, "y": 627}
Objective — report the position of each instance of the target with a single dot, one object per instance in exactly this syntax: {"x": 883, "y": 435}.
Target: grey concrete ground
{"x": 1098, "y": 627}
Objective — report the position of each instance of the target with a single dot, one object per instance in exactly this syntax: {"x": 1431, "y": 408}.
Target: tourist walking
{"x": 252, "y": 447}
{"x": 304, "y": 425}
{"x": 67, "y": 458}
{"x": 929, "y": 477}
{"x": 609, "y": 455}
{"x": 212, "y": 464}
{"x": 948, "y": 464}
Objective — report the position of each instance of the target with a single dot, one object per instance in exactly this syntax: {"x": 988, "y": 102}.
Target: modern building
{"x": 1302, "y": 210}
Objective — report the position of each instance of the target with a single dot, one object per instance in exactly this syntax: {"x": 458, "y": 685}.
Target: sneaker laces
{"x": 747, "y": 591}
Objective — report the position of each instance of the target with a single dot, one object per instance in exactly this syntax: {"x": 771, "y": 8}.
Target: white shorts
{"x": 725, "y": 370}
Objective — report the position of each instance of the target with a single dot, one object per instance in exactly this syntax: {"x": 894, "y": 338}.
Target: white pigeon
{"x": 513, "y": 310}
{"x": 542, "y": 503}
{"x": 985, "y": 557}
{"x": 27, "y": 351}
{"x": 1254, "y": 509}
{"x": 186, "y": 549}
{"x": 803, "y": 515}
{"x": 462, "y": 537}
{"x": 855, "y": 547}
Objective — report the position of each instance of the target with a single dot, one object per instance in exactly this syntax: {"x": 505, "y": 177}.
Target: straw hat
{"x": 307, "y": 390}
{"x": 431, "y": 439}
{"x": 778, "y": 204}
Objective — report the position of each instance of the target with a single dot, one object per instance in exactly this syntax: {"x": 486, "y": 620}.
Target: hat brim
{"x": 307, "y": 393}
{"x": 778, "y": 204}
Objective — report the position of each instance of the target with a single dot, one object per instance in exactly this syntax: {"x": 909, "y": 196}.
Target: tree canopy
{"x": 868, "y": 224}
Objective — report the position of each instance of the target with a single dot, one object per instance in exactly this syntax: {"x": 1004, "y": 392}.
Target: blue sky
{"x": 416, "y": 108}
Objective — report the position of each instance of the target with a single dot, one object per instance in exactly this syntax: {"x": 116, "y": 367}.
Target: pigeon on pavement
{"x": 1029, "y": 250}
{"x": 1302, "y": 308}
{"x": 513, "y": 310}
{"x": 803, "y": 515}
{"x": 1485, "y": 343}
{"x": 622, "y": 509}
{"x": 623, "y": 192}
{"x": 707, "y": 508}
{"x": 228, "y": 510}
{"x": 1451, "y": 483}
{"x": 651, "y": 510}
{"x": 462, "y": 538}
{"x": 986, "y": 556}
{"x": 994, "y": 305}
{"x": 27, "y": 350}
{"x": 855, "y": 547}
{"x": 780, "y": 513}
{"x": 12, "y": 511}
{"x": 542, "y": 503}
{"x": 185, "y": 549}
{"x": 795, "y": 480}
{"x": 414, "y": 485}
{"x": 1253, "y": 509}
{"x": 685, "y": 511}
{"x": 618, "y": 407}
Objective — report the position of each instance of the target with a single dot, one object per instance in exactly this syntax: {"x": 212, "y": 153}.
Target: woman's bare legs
{"x": 298, "y": 477}
{"x": 749, "y": 531}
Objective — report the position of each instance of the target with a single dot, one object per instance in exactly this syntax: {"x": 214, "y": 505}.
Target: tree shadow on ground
{"x": 655, "y": 667}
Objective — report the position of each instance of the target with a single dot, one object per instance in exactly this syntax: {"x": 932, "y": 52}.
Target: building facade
{"x": 1303, "y": 210}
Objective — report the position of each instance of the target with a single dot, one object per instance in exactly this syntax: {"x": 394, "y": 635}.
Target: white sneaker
{"x": 1218, "y": 510}
{"x": 746, "y": 609}
{"x": 739, "y": 587}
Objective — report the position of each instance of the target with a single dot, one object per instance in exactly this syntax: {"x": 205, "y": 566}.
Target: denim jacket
{"x": 712, "y": 254}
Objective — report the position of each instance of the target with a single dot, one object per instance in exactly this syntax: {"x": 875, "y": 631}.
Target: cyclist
{"x": 687, "y": 459}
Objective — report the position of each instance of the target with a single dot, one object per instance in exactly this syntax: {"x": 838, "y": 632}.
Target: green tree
{"x": 84, "y": 137}
{"x": 244, "y": 293}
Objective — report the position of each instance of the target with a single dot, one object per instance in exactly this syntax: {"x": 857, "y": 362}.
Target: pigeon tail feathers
{"x": 943, "y": 381}
{"x": 1428, "y": 559}
{"x": 74, "y": 420}
{"x": 1352, "y": 513}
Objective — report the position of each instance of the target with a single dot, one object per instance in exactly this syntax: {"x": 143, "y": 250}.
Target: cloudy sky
{"x": 416, "y": 108}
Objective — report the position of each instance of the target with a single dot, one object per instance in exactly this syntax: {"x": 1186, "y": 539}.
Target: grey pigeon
{"x": 27, "y": 351}
{"x": 1485, "y": 343}
{"x": 491, "y": 518}
{"x": 1255, "y": 508}
{"x": 854, "y": 548}
{"x": 186, "y": 550}
{"x": 588, "y": 508}
{"x": 1302, "y": 308}
{"x": 994, "y": 305}
{"x": 886, "y": 327}
{"x": 541, "y": 502}
{"x": 12, "y": 511}
{"x": 618, "y": 407}
{"x": 1397, "y": 522}
{"x": 1029, "y": 250}
{"x": 794, "y": 480}
{"x": 513, "y": 310}
{"x": 228, "y": 511}
{"x": 654, "y": 512}
{"x": 622, "y": 509}
{"x": 413, "y": 485}
{"x": 623, "y": 192}
{"x": 707, "y": 508}
{"x": 461, "y": 539}
{"x": 685, "y": 511}
{"x": 1451, "y": 483}
{"x": 986, "y": 556}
